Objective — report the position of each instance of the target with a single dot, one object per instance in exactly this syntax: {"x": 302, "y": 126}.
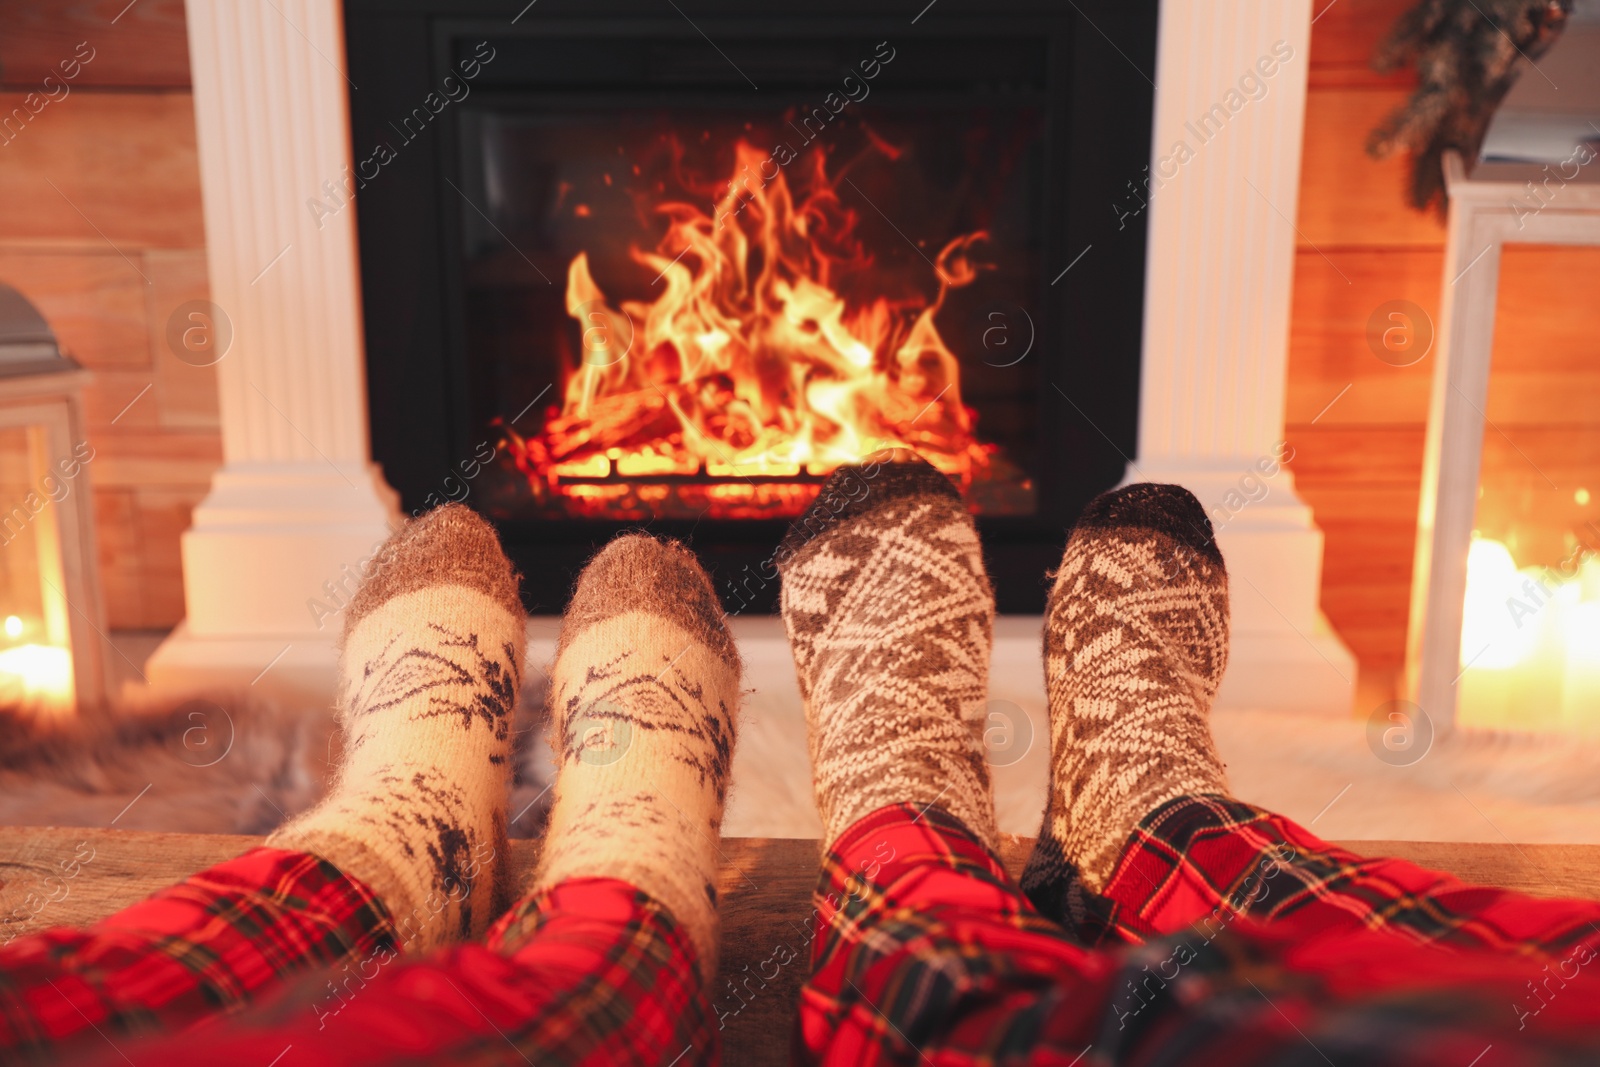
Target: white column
{"x": 1230, "y": 110}
{"x": 298, "y": 499}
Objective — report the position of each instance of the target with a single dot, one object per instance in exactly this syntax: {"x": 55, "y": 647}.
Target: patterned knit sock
{"x": 1136, "y": 639}
{"x": 433, "y": 647}
{"x": 890, "y": 620}
{"x": 642, "y": 701}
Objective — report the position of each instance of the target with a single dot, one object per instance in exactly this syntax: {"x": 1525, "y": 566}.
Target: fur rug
{"x": 235, "y": 764}
{"x": 242, "y": 765}
{"x": 1470, "y": 786}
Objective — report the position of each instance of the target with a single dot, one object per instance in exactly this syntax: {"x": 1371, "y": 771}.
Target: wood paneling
{"x": 100, "y": 226}
{"x": 110, "y": 394}
{"x": 105, "y": 333}
{"x": 159, "y": 458}
{"x": 1545, "y": 315}
{"x": 139, "y": 44}
{"x": 1343, "y": 36}
{"x": 163, "y": 515}
{"x": 109, "y": 171}
{"x": 186, "y": 394}
{"x": 121, "y": 554}
{"x": 1363, "y": 483}
{"x": 1347, "y": 198}
{"x": 1328, "y": 336}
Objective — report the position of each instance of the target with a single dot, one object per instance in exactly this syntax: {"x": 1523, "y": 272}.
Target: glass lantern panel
{"x": 21, "y": 588}
{"x": 35, "y": 656}
{"x": 1530, "y": 640}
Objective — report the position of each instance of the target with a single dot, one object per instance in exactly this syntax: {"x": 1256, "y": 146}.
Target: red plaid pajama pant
{"x": 1227, "y": 935}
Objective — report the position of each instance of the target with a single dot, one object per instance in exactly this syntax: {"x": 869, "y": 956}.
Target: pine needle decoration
{"x": 1467, "y": 55}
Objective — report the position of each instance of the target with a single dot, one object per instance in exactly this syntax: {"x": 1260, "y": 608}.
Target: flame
{"x": 1530, "y": 642}
{"x": 36, "y": 674}
{"x": 749, "y": 375}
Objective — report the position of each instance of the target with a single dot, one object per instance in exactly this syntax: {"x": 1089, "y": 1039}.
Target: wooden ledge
{"x": 765, "y": 889}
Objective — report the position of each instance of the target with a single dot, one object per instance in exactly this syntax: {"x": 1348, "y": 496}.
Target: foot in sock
{"x": 1136, "y": 640}
{"x": 431, "y": 662}
{"x": 890, "y": 619}
{"x": 643, "y": 699}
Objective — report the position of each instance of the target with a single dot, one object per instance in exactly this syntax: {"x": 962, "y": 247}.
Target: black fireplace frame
{"x": 1099, "y": 54}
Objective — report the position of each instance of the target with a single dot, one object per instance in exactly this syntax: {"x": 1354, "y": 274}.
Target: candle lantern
{"x": 1505, "y": 619}
{"x": 51, "y": 615}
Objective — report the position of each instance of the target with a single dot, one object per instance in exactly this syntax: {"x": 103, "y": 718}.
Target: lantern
{"x": 1505, "y": 621}
{"x": 51, "y": 616}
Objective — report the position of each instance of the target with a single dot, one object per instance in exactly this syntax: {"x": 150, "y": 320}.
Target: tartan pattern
{"x": 211, "y": 944}
{"x": 589, "y": 972}
{"x": 925, "y": 953}
{"x": 1191, "y": 855}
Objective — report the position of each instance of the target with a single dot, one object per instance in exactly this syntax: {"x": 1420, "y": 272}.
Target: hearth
{"x": 624, "y": 265}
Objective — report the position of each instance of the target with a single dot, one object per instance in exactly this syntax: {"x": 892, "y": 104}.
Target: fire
{"x": 36, "y": 675}
{"x": 750, "y": 377}
{"x": 1530, "y": 642}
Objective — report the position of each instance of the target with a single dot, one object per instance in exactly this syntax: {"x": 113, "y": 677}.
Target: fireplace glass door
{"x": 687, "y": 312}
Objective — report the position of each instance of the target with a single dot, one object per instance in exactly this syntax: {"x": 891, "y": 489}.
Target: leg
{"x": 213, "y": 943}
{"x": 590, "y": 971}
{"x": 923, "y": 947}
{"x": 397, "y": 852}
{"x": 606, "y": 960}
{"x": 1196, "y": 859}
{"x": 924, "y": 951}
{"x": 926, "y": 954}
{"x": 1140, "y": 836}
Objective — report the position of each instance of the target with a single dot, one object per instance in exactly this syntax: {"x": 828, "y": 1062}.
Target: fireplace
{"x": 629, "y": 266}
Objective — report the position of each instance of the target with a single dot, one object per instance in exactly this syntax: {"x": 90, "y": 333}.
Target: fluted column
{"x": 273, "y": 126}
{"x": 298, "y": 501}
{"x": 1225, "y": 159}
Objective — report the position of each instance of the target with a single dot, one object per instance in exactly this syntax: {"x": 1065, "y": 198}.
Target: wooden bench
{"x": 766, "y": 888}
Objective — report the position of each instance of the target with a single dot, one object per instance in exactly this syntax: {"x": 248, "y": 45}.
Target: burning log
{"x": 748, "y": 358}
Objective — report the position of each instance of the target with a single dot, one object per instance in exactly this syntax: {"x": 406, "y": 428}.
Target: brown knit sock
{"x": 643, "y": 699}
{"x": 432, "y": 657}
{"x": 890, "y": 619}
{"x": 1136, "y": 640}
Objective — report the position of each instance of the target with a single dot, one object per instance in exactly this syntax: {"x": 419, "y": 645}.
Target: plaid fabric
{"x": 1197, "y": 859}
{"x": 591, "y": 972}
{"x": 212, "y": 943}
{"x": 925, "y": 953}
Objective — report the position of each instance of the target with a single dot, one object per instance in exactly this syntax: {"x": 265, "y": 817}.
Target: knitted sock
{"x": 432, "y": 657}
{"x": 1136, "y": 639}
{"x": 642, "y": 701}
{"x": 890, "y": 620}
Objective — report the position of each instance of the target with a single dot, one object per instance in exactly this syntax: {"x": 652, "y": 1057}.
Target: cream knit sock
{"x": 432, "y": 657}
{"x": 1136, "y": 640}
{"x": 890, "y": 619}
{"x": 643, "y": 699}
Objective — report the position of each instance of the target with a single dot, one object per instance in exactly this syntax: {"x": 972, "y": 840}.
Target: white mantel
{"x": 298, "y": 498}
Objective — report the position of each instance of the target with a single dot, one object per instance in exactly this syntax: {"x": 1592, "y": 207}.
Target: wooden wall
{"x": 100, "y": 226}
{"x": 116, "y": 243}
{"x": 1358, "y": 463}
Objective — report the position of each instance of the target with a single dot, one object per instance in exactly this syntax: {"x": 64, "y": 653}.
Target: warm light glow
{"x": 750, "y": 364}
{"x": 1530, "y": 643}
{"x": 36, "y": 672}
{"x": 13, "y": 626}
{"x": 1493, "y": 637}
